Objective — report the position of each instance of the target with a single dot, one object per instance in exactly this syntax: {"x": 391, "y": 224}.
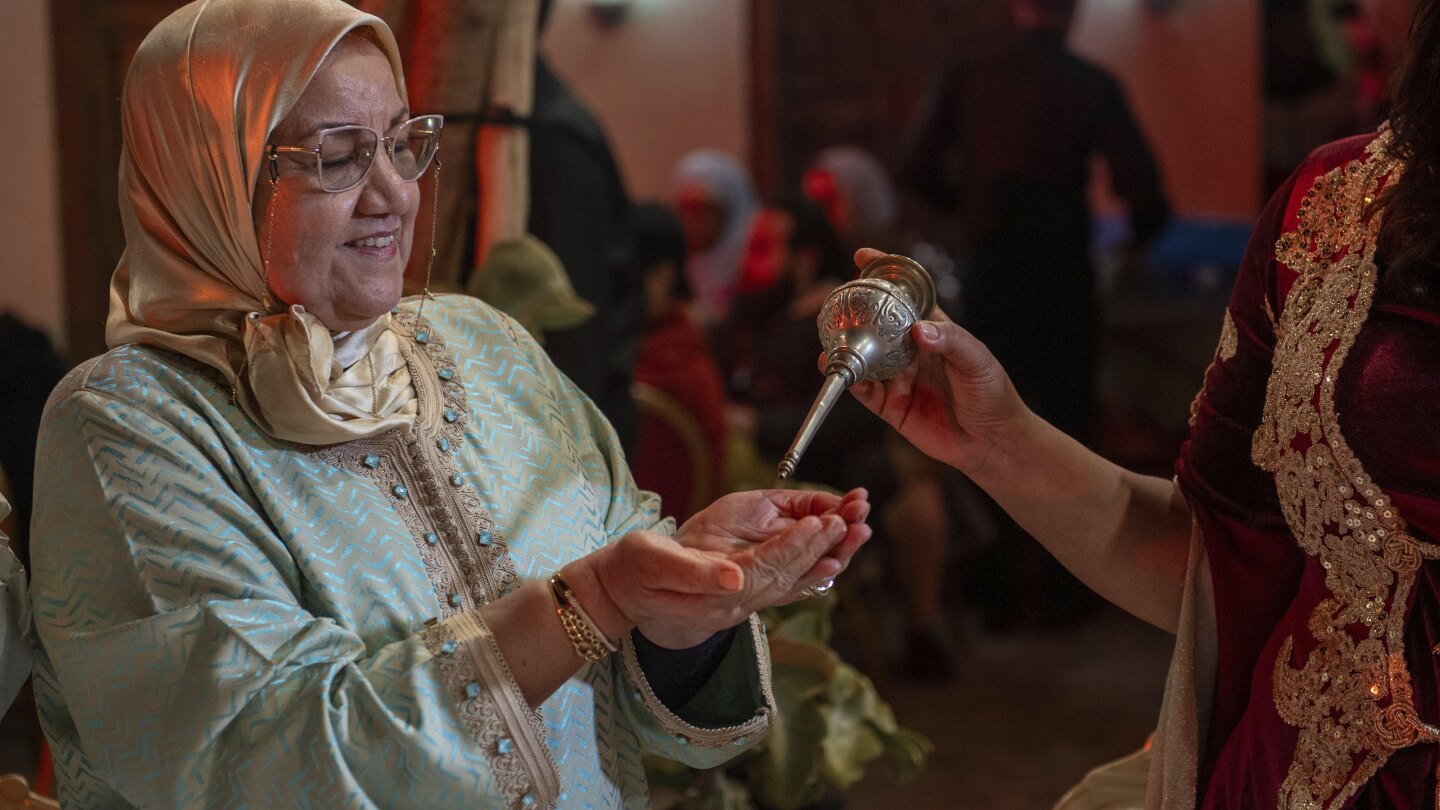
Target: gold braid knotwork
{"x": 1351, "y": 699}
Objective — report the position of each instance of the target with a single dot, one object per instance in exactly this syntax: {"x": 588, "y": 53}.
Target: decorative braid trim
{"x": 508, "y": 731}
{"x": 466, "y": 559}
{"x": 688, "y": 734}
{"x": 465, "y": 553}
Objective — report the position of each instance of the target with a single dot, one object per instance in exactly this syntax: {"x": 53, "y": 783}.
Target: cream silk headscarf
{"x": 206, "y": 88}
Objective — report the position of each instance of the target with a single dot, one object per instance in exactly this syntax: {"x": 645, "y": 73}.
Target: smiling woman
{"x": 339, "y": 238}
{"x": 304, "y": 532}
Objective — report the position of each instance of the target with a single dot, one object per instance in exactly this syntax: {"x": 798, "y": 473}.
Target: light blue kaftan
{"x": 228, "y": 620}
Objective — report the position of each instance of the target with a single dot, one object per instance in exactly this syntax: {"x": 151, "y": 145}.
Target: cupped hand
{"x": 736, "y": 522}
{"x": 678, "y": 596}
{"x": 955, "y": 402}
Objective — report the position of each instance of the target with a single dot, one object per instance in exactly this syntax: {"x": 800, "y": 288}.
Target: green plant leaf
{"x": 789, "y": 766}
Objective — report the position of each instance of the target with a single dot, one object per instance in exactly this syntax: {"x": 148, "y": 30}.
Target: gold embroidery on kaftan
{"x": 1224, "y": 350}
{"x": 1351, "y": 697}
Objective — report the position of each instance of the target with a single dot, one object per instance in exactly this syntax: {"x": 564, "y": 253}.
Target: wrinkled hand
{"x": 955, "y": 402}
{"x": 678, "y": 596}
{"x": 736, "y": 523}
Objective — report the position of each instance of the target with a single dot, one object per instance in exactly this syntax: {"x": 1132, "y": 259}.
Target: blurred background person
{"x": 715, "y": 199}
{"x": 1310, "y": 92}
{"x": 578, "y": 204}
{"x": 682, "y": 400}
{"x": 31, "y": 368}
{"x": 859, "y": 199}
{"x": 1004, "y": 144}
{"x": 858, "y": 196}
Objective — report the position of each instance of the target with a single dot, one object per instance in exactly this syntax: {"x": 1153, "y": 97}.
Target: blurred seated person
{"x": 715, "y": 198}
{"x": 524, "y": 279}
{"x": 302, "y": 541}
{"x": 858, "y": 197}
{"x": 674, "y": 361}
{"x": 860, "y": 202}
{"x": 767, "y": 351}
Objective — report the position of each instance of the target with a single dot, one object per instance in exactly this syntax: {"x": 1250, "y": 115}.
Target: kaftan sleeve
{"x": 731, "y": 712}
{"x": 175, "y": 641}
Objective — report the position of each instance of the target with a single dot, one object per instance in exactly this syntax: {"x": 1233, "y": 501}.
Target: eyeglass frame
{"x": 272, "y": 153}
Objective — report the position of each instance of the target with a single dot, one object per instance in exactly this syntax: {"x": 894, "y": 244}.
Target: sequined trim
{"x": 690, "y": 734}
{"x": 1224, "y": 350}
{"x": 1351, "y": 698}
{"x": 492, "y": 706}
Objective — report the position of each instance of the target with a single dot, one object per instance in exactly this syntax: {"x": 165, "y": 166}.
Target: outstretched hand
{"x": 740, "y": 524}
{"x": 746, "y": 551}
{"x": 955, "y": 402}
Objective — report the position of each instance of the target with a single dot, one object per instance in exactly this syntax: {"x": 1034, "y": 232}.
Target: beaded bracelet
{"x": 590, "y": 644}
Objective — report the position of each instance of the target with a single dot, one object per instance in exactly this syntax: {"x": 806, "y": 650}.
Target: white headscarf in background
{"x": 713, "y": 273}
{"x": 205, "y": 90}
{"x": 865, "y": 187}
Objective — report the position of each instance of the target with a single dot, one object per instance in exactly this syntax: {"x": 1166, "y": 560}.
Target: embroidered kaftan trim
{"x": 466, "y": 559}
{"x": 1351, "y": 698}
{"x": 492, "y": 706}
{"x": 688, "y": 733}
{"x": 1228, "y": 345}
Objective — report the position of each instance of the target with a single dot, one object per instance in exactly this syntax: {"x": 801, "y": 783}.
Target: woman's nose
{"x": 384, "y": 191}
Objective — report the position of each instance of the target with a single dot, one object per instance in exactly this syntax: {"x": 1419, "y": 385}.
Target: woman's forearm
{"x": 532, "y": 641}
{"x": 1123, "y": 534}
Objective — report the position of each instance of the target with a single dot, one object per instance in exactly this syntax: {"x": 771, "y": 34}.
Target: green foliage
{"x": 830, "y": 725}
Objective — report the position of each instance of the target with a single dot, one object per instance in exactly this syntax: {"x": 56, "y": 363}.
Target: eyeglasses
{"x": 345, "y": 154}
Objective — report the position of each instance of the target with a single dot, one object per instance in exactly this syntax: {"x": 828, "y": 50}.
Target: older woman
{"x": 302, "y": 543}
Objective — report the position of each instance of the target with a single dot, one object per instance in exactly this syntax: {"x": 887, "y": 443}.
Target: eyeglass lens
{"x": 347, "y": 152}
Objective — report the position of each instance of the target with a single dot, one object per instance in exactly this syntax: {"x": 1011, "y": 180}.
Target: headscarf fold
{"x": 206, "y": 88}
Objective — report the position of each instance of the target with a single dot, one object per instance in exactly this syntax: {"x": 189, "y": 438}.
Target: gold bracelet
{"x": 590, "y": 644}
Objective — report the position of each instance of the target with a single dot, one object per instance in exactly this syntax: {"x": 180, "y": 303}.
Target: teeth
{"x": 372, "y": 242}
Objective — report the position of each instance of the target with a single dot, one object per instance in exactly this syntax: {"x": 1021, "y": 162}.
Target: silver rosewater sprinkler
{"x": 865, "y": 332}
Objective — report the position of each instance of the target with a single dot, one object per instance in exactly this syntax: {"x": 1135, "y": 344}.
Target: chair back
{"x": 15, "y": 794}
{"x": 672, "y": 456}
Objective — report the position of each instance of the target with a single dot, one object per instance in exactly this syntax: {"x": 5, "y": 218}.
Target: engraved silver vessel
{"x": 865, "y": 332}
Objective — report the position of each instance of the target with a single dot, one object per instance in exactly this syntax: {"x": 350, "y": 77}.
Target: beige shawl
{"x": 205, "y": 90}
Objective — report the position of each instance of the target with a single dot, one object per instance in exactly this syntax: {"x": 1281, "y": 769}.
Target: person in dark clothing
{"x": 1004, "y": 147}
{"x": 676, "y": 365}
{"x": 31, "y": 369}
{"x": 578, "y": 204}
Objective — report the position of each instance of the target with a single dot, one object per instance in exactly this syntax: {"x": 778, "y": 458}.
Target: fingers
{"x": 854, "y": 506}
{"x": 959, "y": 348}
{"x": 864, "y": 256}
{"x": 781, "y": 561}
{"x": 661, "y": 564}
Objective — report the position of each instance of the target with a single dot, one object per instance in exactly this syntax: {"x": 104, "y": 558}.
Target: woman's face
{"x": 342, "y": 256}
{"x": 768, "y": 255}
{"x": 702, "y": 217}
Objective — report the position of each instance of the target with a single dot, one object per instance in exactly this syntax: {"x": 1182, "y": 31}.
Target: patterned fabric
{"x": 225, "y": 619}
{"x": 1310, "y": 472}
